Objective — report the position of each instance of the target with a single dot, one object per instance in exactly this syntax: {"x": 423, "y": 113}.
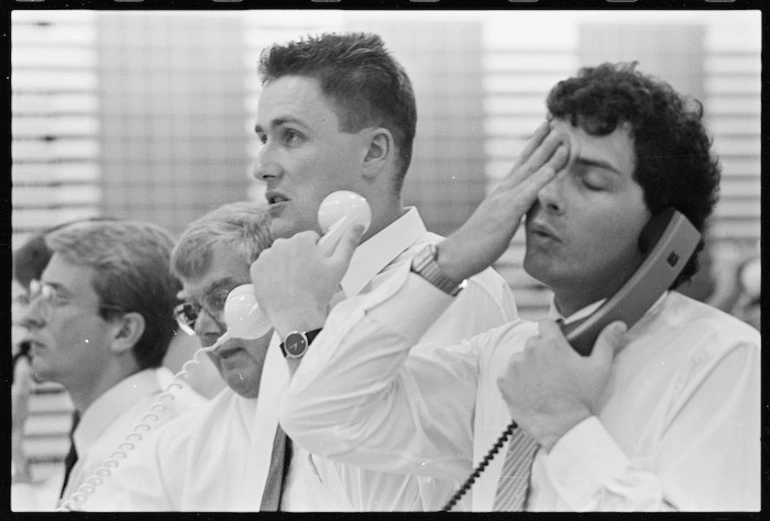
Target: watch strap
{"x": 309, "y": 337}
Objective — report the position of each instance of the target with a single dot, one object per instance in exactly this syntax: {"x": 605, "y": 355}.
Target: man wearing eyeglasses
{"x": 99, "y": 322}
{"x": 203, "y": 461}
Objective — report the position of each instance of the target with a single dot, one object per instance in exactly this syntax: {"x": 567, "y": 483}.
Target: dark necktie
{"x": 72, "y": 456}
{"x": 276, "y": 475}
{"x": 514, "y": 480}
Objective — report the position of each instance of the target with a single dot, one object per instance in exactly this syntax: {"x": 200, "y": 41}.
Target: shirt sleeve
{"x": 708, "y": 453}
{"x": 357, "y": 398}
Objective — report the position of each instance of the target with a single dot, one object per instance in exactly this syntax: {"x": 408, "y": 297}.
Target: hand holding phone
{"x": 338, "y": 213}
{"x": 668, "y": 240}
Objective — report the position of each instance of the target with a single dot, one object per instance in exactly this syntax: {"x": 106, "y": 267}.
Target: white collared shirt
{"x": 217, "y": 459}
{"x": 678, "y": 428}
{"x": 317, "y": 484}
{"x": 105, "y": 424}
{"x": 196, "y": 463}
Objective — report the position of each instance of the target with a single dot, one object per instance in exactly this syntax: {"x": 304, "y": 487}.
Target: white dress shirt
{"x": 197, "y": 462}
{"x": 318, "y": 484}
{"x": 678, "y": 427}
{"x": 105, "y": 424}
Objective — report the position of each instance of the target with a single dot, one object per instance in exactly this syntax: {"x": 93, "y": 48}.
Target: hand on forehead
{"x": 564, "y": 129}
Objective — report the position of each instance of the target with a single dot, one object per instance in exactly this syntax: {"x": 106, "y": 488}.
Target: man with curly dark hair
{"x": 662, "y": 415}
{"x": 674, "y": 163}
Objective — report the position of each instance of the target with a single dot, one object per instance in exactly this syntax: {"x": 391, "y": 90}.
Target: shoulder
{"x": 703, "y": 335}
{"x": 704, "y": 322}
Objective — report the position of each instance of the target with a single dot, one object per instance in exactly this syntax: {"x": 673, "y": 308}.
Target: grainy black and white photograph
{"x": 385, "y": 260}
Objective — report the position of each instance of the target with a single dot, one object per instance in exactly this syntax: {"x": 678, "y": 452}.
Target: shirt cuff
{"x": 582, "y": 461}
{"x": 417, "y": 306}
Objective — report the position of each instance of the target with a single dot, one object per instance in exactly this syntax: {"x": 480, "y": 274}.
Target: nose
{"x": 34, "y": 316}
{"x": 207, "y": 325}
{"x": 266, "y": 166}
{"x": 550, "y": 196}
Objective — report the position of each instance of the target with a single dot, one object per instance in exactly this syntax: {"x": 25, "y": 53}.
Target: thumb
{"x": 348, "y": 244}
{"x": 609, "y": 341}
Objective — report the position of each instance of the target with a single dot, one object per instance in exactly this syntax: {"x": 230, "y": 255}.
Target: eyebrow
{"x": 55, "y": 285}
{"x": 588, "y": 161}
{"x": 217, "y": 284}
{"x": 61, "y": 290}
{"x": 277, "y": 122}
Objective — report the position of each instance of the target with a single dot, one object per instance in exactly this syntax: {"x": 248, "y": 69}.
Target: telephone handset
{"x": 669, "y": 240}
{"x": 338, "y": 212}
{"x": 674, "y": 239}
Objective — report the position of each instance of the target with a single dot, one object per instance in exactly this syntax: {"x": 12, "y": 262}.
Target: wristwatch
{"x": 296, "y": 342}
{"x": 424, "y": 265}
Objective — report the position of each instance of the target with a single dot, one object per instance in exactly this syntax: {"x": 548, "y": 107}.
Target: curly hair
{"x": 367, "y": 86}
{"x": 674, "y": 163}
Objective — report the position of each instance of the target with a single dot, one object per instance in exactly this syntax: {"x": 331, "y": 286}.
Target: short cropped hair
{"x": 674, "y": 163}
{"x": 131, "y": 264}
{"x": 357, "y": 73}
{"x": 242, "y": 227}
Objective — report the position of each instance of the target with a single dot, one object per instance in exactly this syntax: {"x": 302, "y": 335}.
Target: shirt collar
{"x": 555, "y": 314}
{"x": 381, "y": 249}
{"x": 107, "y": 407}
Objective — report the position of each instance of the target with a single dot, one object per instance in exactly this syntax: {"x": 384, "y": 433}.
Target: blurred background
{"x": 150, "y": 115}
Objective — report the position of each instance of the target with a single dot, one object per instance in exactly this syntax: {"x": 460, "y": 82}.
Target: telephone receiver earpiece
{"x": 337, "y": 214}
{"x": 668, "y": 241}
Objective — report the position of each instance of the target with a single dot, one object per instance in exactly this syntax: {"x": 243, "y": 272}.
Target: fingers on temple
{"x": 552, "y": 150}
{"x": 537, "y": 138}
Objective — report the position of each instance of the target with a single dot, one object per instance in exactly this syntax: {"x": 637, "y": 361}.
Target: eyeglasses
{"x": 213, "y": 303}
{"x": 49, "y": 298}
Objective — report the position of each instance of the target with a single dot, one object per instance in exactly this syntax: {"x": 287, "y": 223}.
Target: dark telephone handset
{"x": 669, "y": 240}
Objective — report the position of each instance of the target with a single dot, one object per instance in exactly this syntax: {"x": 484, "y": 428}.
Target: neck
{"x": 567, "y": 305}
{"x": 85, "y": 391}
{"x": 387, "y": 216}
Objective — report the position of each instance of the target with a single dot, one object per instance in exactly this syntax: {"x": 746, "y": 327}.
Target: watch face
{"x": 295, "y": 344}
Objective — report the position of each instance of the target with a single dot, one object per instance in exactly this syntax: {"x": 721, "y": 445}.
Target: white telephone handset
{"x": 338, "y": 212}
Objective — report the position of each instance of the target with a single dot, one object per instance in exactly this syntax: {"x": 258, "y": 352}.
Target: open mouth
{"x": 275, "y": 198}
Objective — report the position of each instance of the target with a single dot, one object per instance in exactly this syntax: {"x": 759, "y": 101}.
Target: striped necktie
{"x": 513, "y": 486}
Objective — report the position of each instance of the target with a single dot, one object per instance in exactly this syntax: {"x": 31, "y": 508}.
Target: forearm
{"x": 591, "y": 473}
{"x": 703, "y": 457}
{"x": 352, "y": 400}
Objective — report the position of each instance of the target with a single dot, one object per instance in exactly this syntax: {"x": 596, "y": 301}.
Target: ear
{"x": 129, "y": 328}
{"x": 379, "y": 152}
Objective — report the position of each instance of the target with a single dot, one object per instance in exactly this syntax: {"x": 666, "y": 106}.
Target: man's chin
{"x": 282, "y": 227}
{"x": 39, "y": 371}
{"x": 247, "y": 387}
